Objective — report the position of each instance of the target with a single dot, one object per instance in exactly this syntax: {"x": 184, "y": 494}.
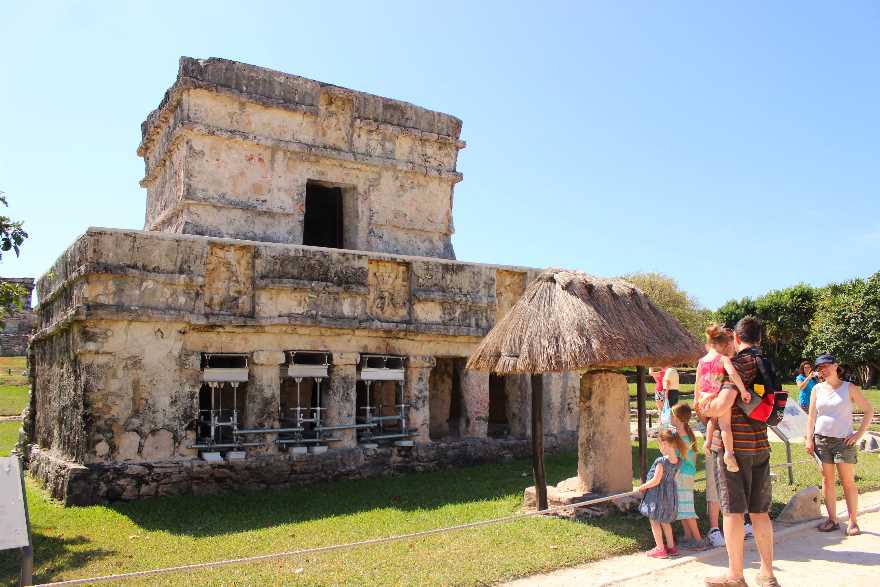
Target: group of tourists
{"x": 730, "y": 379}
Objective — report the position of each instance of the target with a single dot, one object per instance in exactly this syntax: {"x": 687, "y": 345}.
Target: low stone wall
{"x": 14, "y": 345}
{"x": 76, "y": 484}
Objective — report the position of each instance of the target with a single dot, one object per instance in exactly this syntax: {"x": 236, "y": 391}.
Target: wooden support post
{"x": 538, "y": 440}
{"x": 642, "y": 400}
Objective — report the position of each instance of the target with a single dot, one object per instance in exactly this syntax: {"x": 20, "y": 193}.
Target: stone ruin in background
{"x": 18, "y": 324}
{"x": 291, "y": 312}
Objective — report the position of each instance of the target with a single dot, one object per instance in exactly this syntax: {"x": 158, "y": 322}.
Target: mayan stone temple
{"x": 291, "y": 312}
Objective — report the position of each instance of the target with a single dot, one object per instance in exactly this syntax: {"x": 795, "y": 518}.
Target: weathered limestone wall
{"x": 77, "y": 484}
{"x": 125, "y": 317}
{"x": 149, "y": 275}
{"x": 19, "y": 324}
{"x": 231, "y": 149}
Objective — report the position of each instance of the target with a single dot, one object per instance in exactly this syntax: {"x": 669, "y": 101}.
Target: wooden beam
{"x": 538, "y": 440}
{"x": 642, "y": 400}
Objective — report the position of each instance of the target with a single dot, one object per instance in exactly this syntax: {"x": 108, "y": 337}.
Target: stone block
{"x": 127, "y": 446}
{"x": 803, "y": 506}
{"x": 158, "y": 445}
{"x": 604, "y": 453}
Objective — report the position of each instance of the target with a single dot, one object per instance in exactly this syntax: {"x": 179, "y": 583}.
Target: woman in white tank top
{"x": 831, "y": 438}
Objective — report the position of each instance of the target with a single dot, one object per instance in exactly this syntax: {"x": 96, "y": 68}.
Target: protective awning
{"x": 304, "y": 371}
{"x": 225, "y": 375}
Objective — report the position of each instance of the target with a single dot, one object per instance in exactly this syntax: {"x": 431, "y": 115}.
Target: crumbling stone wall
{"x": 76, "y": 484}
{"x": 230, "y": 151}
{"x": 19, "y": 323}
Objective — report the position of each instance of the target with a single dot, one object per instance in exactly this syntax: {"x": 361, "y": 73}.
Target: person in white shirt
{"x": 670, "y": 385}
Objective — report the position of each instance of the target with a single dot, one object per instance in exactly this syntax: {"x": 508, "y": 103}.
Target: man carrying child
{"x": 748, "y": 489}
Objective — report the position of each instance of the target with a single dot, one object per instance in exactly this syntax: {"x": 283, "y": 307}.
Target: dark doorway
{"x": 322, "y": 224}
{"x": 444, "y": 394}
{"x": 499, "y": 426}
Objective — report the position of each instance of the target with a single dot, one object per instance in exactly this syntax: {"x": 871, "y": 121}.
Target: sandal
{"x": 853, "y": 530}
{"x": 828, "y": 526}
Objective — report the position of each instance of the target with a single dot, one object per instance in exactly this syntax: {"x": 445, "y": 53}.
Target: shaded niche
{"x": 445, "y": 397}
{"x": 499, "y": 425}
{"x": 323, "y": 220}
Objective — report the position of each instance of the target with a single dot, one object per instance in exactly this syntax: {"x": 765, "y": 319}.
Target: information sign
{"x": 13, "y": 517}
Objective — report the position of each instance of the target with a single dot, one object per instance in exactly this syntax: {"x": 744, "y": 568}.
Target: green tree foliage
{"x": 12, "y": 236}
{"x": 732, "y": 311}
{"x": 786, "y": 314}
{"x": 665, "y": 292}
{"x": 846, "y": 323}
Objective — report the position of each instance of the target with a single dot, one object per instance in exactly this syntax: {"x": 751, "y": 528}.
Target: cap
{"x": 824, "y": 360}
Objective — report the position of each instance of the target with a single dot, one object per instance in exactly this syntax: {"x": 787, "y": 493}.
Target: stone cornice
{"x": 188, "y": 128}
{"x": 293, "y": 93}
{"x": 127, "y": 313}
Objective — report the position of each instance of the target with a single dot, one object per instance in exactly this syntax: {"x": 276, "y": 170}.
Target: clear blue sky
{"x": 733, "y": 146}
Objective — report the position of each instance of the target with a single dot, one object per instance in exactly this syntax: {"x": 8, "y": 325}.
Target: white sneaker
{"x": 716, "y": 537}
{"x": 749, "y": 533}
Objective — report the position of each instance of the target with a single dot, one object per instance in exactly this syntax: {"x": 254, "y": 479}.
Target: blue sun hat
{"x": 825, "y": 359}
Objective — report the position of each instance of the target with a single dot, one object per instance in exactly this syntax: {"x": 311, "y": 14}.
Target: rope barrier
{"x": 369, "y": 542}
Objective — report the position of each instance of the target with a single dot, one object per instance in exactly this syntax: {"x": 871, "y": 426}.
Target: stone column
{"x": 263, "y": 395}
{"x": 571, "y": 398}
{"x": 475, "y": 401}
{"x": 519, "y": 404}
{"x": 415, "y": 393}
{"x": 340, "y": 398}
{"x": 552, "y": 403}
{"x": 604, "y": 455}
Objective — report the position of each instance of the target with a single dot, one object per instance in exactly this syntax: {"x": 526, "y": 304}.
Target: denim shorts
{"x": 834, "y": 451}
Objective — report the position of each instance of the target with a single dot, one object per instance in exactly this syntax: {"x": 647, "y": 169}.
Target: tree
{"x": 847, "y": 324}
{"x": 786, "y": 314}
{"x": 12, "y": 236}
{"x": 665, "y": 292}
{"x": 733, "y": 311}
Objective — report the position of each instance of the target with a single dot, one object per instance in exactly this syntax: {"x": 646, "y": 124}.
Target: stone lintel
{"x": 346, "y": 359}
{"x": 420, "y": 362}
{"x": 268, "y": 358}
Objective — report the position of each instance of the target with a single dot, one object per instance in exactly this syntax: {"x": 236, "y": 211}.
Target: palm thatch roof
{"x": 569, "y": 321}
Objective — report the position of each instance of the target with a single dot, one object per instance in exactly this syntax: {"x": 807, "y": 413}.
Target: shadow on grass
{"x": 200, "y": 516}
{"x": 52, "y": 555}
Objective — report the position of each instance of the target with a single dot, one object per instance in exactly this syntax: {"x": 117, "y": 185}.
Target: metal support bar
{"x": 787, "y": 444}
{"x": 305, "y": 440}
{"x": 346, "y": 427}
{"x": 226, "y": 445}
{"x": 268, "y": 430}
{"x": 390, "y": 436}
{"x": 387, "y": 418}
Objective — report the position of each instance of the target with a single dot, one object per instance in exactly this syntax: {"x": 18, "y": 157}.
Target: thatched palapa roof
{"x": 568, "y": 321}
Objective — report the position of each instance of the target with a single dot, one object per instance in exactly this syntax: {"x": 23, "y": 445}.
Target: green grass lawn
{"x": 89, "y": 541}
{"x": 873, "y": 396}
{"x": 8, "y": 436}
{"x": 13, "y": 399}
{"x": 12, "y": 369}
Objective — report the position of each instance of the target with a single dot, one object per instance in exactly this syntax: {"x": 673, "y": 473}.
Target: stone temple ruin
{"x": 291, "y": 312}
{"x": 19, "y": 323}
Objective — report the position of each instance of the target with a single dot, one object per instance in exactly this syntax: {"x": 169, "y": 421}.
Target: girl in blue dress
{"x": 660, "y": 501}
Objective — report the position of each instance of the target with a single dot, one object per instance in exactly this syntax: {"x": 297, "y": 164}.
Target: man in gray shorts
{"x": 713, "y": 503}
{"x": 747, "y": 490}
